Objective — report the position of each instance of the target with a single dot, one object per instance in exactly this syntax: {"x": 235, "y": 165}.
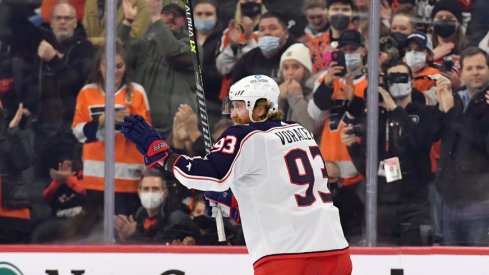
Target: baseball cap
{"x": 297, "y": 52}
{"x": 419, "y": 38}
{"x": 174, "y": 8}
{"x": 448, "y": 5}
{"x": 350, "y": 37}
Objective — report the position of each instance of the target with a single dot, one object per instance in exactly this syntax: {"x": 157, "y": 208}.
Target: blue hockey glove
{"x": 223, "y": 200}
{"x": 147, "y": 140}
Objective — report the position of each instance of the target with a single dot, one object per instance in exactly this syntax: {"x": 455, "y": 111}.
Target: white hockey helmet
{"x": 254, "y": 87}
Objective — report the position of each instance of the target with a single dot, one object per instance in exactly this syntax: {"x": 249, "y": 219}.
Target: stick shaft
{"x": 201, "y": 101}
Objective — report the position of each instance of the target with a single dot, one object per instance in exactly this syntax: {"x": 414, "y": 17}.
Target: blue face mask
{"x": 205, "y": 25}
{"x": 269, "y": 45}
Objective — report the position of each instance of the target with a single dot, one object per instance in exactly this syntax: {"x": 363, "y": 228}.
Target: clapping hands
{"x": 185, "y": 127}
{"x": 63, "y": 173}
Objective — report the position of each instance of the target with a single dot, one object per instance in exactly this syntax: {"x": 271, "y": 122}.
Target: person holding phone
{"x": 332, "y": 94}
{"x": 88, "y": 127}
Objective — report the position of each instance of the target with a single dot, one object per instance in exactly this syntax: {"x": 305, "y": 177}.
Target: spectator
{"x": 272, "y": 43}
{"x": 295, "y": 69}
{"x": 238, "y": 38}
{"x": 160, "y": 219}
{"x": 94, "y": 18}
{"x": 62, "y": 64}
{"x": 89, "y": 128}
{"x": 463, "y": 173}
{"x": 419, "y": 57}
{"x": 317, "y": 32}
{"x": 448, "y": 39}
{"x": 209, "y": 34}
{"x": 15, "y": 156}
{"x": 331, "y": 95}
{"x": 340, "y": 17}
{"x": 402, "y": 24}
{"x": 67, "y": 200}
{"x": 48, "y": 5}
{"x": 162, "y": 62}
{"x": 406, "y": 131}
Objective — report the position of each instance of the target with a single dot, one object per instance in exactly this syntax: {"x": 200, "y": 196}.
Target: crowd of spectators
{"x": 433, "y": 142}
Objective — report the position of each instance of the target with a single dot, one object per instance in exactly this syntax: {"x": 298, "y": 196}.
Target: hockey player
{"x": 277, "y": 175}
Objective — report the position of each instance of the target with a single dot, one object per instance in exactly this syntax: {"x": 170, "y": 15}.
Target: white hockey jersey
{"x": 276, "y": 172}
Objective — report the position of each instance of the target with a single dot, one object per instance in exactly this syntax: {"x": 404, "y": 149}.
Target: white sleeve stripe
{"x": 78, "y": 132}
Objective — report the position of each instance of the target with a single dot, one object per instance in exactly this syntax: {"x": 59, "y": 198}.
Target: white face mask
{"x": 269, "y": 45}
{"x": 416, "y": 60}
{"x": 400, "y": 90}
{"x": 353, "y": 62}
{"x": 151, "y": 200}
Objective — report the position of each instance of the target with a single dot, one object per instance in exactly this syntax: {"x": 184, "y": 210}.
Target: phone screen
{"x": 339, "y": 58}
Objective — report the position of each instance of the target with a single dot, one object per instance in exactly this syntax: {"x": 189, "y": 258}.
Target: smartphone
{"x": 339, "y": 58}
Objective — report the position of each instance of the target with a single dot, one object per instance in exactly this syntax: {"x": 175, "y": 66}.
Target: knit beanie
{"x": 297, "y": 52}
{"x": 448, "y": 5}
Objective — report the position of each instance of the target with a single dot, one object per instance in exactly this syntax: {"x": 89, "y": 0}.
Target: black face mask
{"x": 445, "y": 28}
{"x": 400, "y": 39}
{"x": 250, "y": 9}
{"x": 340, "y": 21}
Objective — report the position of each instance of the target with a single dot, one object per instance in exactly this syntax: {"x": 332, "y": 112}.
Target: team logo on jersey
{"x": 189, "y": 166}
{"x": 9, "y": 269}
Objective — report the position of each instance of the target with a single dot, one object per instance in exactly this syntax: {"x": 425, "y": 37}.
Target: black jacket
{"x": 463, "y": 170}
{"x": 254, "y": 62}
{"x": 15, "y": 156}
{"x": 411, "y": 134}
{"x": 54, "y": 84}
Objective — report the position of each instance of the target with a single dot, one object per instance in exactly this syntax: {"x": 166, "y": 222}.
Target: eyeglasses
{"x": 65, "y": 18}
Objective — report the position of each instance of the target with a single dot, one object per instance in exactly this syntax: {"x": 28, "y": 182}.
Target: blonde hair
{"x": 277, "y": 115}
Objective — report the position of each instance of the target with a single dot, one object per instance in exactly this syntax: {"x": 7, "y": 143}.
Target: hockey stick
{"x": 201, "y": 102}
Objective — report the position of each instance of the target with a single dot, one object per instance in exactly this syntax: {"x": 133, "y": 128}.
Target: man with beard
{"x": 277, "y": 176}
{"x": 61, "y": 66}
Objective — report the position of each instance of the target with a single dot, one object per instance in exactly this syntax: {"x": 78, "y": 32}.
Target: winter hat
{"x": 297, "y": 52}
{"x": 448, "y": 5}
